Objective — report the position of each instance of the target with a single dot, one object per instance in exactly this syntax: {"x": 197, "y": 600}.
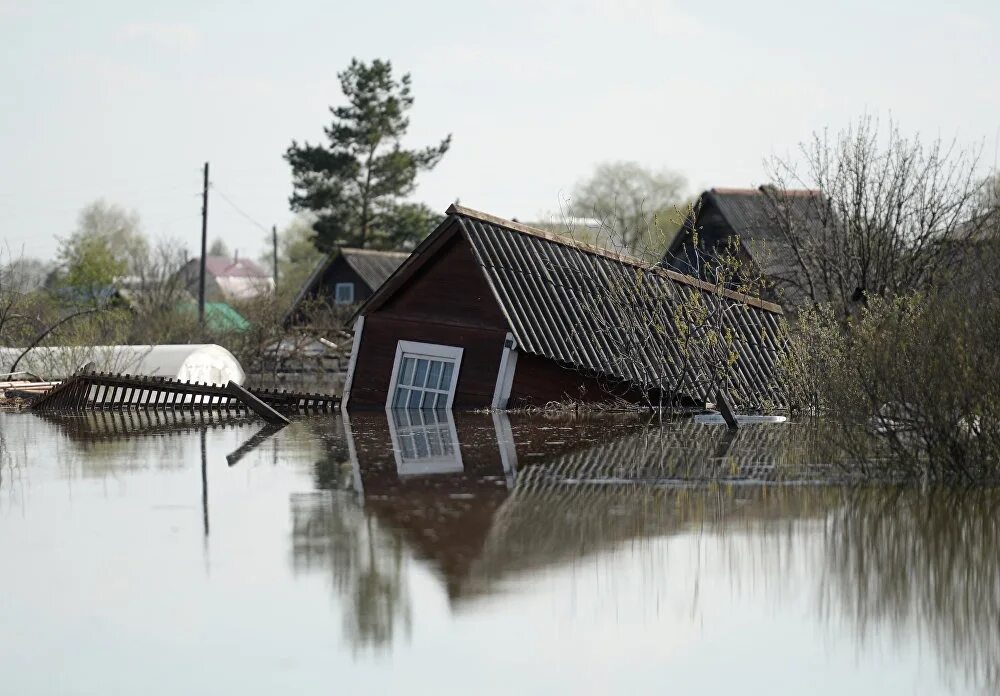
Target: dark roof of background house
{"x": 559, "y": 298}
{"x": 754, "y": 215}
{"x": 760, "y": 217}
{"x": 373, "y": 267}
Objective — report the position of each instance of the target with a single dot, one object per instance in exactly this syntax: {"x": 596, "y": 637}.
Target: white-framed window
{"x": 425, "y": 442}
{"x": 424, "y": 376}
{"x": 343, "y": 293}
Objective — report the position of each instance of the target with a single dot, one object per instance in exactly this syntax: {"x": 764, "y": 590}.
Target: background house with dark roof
{"x": 761, "y": 219}
{"x": 348, "y": 276}
{"x": 489, "y": 313}
{"x": 227, "y": 279}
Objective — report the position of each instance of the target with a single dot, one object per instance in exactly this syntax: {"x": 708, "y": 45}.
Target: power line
{"x": 239, "y": 210}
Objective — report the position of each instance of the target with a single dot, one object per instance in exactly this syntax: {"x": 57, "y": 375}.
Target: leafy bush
{"x": 912, "y": 381}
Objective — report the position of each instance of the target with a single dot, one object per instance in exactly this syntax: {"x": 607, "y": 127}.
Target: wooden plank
{"x": 255, "y": 404}
{"x": 722, "y": 403}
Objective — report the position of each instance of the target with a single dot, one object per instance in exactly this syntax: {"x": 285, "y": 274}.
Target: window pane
{"x": 406, "y": 444}
{"x": 420, "y": 444}
{"x": 442, "y": 401}
{"x": 420, "y": 374}
{"x": 414, "y": 401}
{"x": 434, "y": 375}
{"x": 406, "y": 373}
{"x": 399, "y": 401}
{"x": 446, "y": 375}
{"x": 434, "y": 442}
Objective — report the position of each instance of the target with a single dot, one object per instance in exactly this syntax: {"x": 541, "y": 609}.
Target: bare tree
{"x": 156, "y": 283}
{"x": 887, "y": 214}
{"x": 17, "y": 285}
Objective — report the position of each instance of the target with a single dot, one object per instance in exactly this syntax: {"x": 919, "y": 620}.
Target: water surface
{"x": 478, "y": 554}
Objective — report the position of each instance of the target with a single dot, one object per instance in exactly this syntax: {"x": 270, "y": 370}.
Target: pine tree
{"x": 357, "y": 184}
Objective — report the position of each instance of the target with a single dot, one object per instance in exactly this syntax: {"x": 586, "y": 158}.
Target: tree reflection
{"x": 6, "y": 459}
{"x": 367, "y": 564}
{"x": 893, "y": 562}
{"x": 923, "y": 563}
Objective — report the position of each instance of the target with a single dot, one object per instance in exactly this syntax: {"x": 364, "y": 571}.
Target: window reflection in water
{"x": 425, "y": 442}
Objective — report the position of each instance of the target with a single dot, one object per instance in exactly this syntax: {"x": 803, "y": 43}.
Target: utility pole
{"x": 274, "y": 244}
{"x": 204, "y": 247}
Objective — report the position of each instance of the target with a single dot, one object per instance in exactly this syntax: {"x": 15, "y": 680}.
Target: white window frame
{"x": 336, "y": 293}
{"x": 505, "y": 374}
{"x": 433, "y": 427}
{"x": 425, "y": 350}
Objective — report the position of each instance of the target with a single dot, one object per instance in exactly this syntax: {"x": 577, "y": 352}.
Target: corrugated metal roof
{"x": 613, "y": 315}
{"x": 373, "y": 266}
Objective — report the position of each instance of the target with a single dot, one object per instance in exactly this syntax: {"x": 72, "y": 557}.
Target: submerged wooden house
{"x": 489, "y": 313}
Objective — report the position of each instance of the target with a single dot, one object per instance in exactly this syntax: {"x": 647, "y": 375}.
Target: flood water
{"x": 477, "y": 554}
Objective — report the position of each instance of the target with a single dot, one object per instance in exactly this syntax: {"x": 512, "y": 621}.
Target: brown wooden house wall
{"x": 538, "y": 381}
{"x": 447, "y": 302}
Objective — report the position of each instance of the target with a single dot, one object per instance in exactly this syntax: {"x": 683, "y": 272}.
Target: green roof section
{"x": 219, "y": 316}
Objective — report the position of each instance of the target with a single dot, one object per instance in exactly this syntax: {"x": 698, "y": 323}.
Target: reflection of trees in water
{"x": 923, "y": 563}
{"x": 331, "y": 532}
{"x": 6, "y": 459}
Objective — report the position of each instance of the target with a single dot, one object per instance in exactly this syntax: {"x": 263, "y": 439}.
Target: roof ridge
{"x": 359, "y": 250}
{"x": 455, "y": 209}
{"x": 734, "y": 190}
{"x": 762, "y": 190}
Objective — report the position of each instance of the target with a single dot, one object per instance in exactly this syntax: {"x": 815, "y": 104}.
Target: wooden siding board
{"x": 539, "y": 381}
{"x": 452, "y": 288}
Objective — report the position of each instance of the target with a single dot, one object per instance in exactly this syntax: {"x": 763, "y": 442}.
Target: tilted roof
{"x": 604, "y": 312}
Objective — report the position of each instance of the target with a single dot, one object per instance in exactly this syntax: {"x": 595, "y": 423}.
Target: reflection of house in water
{"x": 482, "y": 496}
{"x": 535, "y": 493}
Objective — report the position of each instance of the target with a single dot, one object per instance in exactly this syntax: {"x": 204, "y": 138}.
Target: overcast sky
{"x": 126, "y": 100}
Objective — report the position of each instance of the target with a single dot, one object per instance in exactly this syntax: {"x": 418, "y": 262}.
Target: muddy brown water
{"x": 423, "y": 553}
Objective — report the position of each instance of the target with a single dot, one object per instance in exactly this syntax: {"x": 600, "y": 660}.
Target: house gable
{"x": 444, "y": 300}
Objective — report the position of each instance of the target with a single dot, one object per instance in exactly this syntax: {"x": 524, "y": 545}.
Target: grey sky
{"x": 126, "y": 100}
